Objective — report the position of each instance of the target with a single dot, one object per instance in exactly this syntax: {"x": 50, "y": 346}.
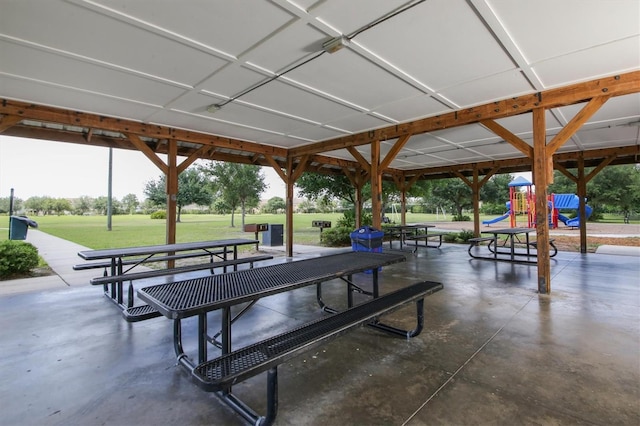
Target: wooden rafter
{"x": 151, "y": 155}
{"x": 393, "y": 152}
{"x": 75, "y": 118}
{"x": 508, "y": 136}
{"x": 618, "y": 85}
{"x": 576, "y": 122}
{"x": 360, "y": 159}
{"x": 8, "y": 121}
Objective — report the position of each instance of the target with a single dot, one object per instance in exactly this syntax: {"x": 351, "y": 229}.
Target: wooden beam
{"x": 376, "y": 186}
{"x": 565, "y": 172}
{"x": 151, "y": 155}
{"x": 617, "y": 85}
{"x": 506, "y": 134}
{"x": 540, "y": 164}
{"x": 464, "y": 178}
{"x": 276, "y": 167}
{"x": 360, "y": 159}
{"x": 76, "y": 118}
{"x": 7, "y": 121}
{"x": 198, "y": 153}
{"x": 598, "y": 168}
{"x": 576, "y": 122}
{"x": 393, "y": 152}
{"x": 172, "y": 194}
{"x": 300, "y": 167}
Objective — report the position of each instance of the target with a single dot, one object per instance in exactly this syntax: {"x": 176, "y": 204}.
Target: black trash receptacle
{"x": 18, "y": 226}
{"x": 273, "y": 236}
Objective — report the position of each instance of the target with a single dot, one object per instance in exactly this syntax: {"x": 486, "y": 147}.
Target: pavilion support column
{"x": 172, "y": 195}
{"x": 542, "y": 166}
{"x": 403, "y": 207}
{"x": 376, "y": 185}
{"x": 582, "y": 196}
{"x": 358, "y": 206}
{"x": 475, "y": 189}
{"x": 289, "y": 218}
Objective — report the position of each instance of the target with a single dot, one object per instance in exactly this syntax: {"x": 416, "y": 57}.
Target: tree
{"x": 615, "y": 188}
{"x": 36, "y": 204}
{"x": 130, "y": 203}
{"x": 239, "y": 185}
{"x": 306, "y": 206}
{"x": 60, "y": 205}
{"x": 4, "y": 204}
{"x": 452, "y": 194}
{"x": 315, "y": 185}
{"x": 83, "y": 205}
{"x": 193, "y": 188}
{"x": 496, "y": 190}
{"x": 275, "y": 205}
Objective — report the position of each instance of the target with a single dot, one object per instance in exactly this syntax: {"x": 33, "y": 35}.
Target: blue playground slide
{"x": 569, "y": 202}
{"x": 497, "y": 219}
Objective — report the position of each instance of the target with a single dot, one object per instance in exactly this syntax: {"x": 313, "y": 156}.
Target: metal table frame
{"x": 199, "y": 296}
{"x": 116, "y": 256}
{"x": 402, "y": 230}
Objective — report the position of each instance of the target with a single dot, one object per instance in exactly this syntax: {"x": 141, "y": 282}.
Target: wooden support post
{"x": 582, "y": 196}
{"x": 475, "y": 188}
{"x": 540, "y": 178}
{"x": 289, "y": 218}
{"x": 376, "y": 185}
{"x": 172, "y": 195}
{"x": 289, "y": 209}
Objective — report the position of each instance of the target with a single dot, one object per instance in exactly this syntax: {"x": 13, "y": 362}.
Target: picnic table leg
{"x": 119, "y": 283}
{"x": 202, "y": 337}
{"x": 400, "y": 332}
{"x": 513, "y": 247}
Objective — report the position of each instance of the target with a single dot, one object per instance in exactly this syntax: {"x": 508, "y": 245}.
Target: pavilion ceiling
{"x": 445, "y": 85}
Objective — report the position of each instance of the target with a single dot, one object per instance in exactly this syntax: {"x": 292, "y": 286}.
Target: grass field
{"x": 135, "y": 230}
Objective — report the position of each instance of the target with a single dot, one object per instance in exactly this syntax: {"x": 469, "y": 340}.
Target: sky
{"x": 65, "y": 170}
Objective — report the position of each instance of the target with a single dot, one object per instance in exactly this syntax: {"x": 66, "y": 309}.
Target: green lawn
{"x": 136, "y": 230}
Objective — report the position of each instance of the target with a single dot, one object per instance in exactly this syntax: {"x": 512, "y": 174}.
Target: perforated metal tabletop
{"x": 195, "y": 296}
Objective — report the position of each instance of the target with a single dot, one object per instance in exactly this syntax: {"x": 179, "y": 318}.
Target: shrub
{"x": 160, "y": 214}
{"x": 17, "y": 257}
{"x": 336, "y": 237}
{"x": 465, "y": 235}
{"x": 348, "y": 220}
{"x": 461, "y": 218}
{"x": 451, "y": 237}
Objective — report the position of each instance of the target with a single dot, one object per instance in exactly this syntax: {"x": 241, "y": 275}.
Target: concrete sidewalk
{"x": 61, "y": 255}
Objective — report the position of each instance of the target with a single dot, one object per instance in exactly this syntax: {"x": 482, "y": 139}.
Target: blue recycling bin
{"x": 367, "y": 239}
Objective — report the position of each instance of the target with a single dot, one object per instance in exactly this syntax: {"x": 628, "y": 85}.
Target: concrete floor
{"x": 493, "y": 352}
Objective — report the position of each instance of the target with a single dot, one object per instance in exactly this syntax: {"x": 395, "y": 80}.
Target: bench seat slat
{"x": 223, "y": 372}
{"x": 425, "y": 236}
{"x": 140, "y": 313}
{"x": 177, "y": 270}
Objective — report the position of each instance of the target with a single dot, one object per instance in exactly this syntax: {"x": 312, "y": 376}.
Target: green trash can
{"x": 18, "y": 226}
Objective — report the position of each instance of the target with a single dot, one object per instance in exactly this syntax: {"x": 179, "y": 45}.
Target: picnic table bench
{"x": 115, "y": 273}
{"x": 511, "y": 242}
{"x": 220, "y": 292}
{"x": 426, "y": 237}
{"x": 407, "y": 232}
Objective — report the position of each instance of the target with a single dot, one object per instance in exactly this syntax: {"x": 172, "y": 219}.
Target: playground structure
{"x": 521, "y": 207}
